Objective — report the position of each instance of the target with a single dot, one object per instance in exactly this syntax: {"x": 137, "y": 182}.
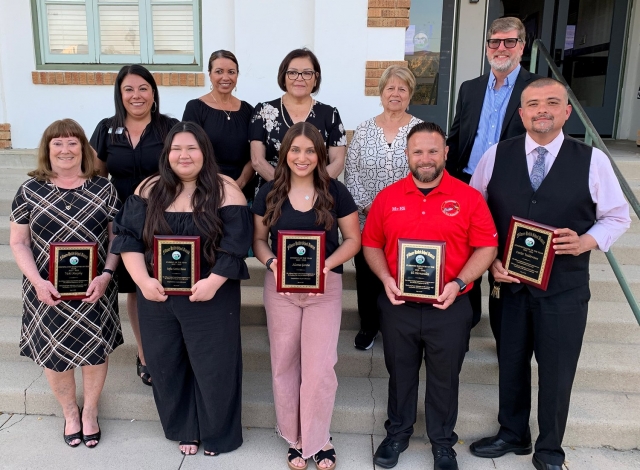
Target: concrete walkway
{"x": 35, "y": 442}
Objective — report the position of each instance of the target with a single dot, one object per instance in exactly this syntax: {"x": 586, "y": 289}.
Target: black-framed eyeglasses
{"x": 509, "y": 43}
{"x": 306, "y": 74}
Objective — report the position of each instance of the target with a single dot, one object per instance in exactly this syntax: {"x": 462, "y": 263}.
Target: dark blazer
{"x": 468, "y": 109}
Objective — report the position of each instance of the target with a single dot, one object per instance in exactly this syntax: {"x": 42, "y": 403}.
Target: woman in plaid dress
{"x": 64, "y": 201}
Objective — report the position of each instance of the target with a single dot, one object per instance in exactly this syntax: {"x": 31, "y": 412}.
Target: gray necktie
{"x": 537, "y": 172}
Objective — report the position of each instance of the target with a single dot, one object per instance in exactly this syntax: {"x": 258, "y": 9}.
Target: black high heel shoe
{"x": 86, "y": 438}
{"x": 68, "y": 438}
{"x": 143, "y": 372}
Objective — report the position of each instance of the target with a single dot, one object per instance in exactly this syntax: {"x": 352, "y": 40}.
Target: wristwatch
{"x": 108, "y": 271}
{"x": 268, "y": 264}
{"x": 462, "y": 285}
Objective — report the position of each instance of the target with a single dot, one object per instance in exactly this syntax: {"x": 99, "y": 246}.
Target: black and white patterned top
{"x": 73, "y": 333}
{"x": 372, "y": 164}
{"x": 269, "y": 126}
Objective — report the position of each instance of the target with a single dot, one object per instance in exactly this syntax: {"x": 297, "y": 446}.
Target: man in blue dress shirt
{"x": 487, "y": 113}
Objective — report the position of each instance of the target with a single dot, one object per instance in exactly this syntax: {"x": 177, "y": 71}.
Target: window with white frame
{"x": 119, "y": 31}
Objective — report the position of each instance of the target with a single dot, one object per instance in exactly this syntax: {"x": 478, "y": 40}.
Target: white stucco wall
{"x": 470, "y": 51}
{"x": 259, "y": 33}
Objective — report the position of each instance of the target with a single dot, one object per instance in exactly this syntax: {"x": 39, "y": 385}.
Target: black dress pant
{"x": 414, "y": 331}
{"x": 368, "y": 287}
{"x": 552, "y": 328}
{"x": 194, "y": 356}
{"x": 475, "y": 294}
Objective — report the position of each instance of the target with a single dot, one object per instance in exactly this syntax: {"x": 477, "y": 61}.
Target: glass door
{"x": 428, "y": 50}
{"x": 586, "y": 40}
{"x": 588, "y": 49}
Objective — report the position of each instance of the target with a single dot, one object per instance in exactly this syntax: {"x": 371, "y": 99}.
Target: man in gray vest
{"x": 557, "y": 181}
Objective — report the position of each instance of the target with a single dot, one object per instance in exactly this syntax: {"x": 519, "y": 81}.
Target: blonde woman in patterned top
{"x": 375, "y": 159}
{"x": 64, "y": 201}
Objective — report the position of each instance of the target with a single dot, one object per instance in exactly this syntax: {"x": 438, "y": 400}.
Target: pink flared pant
{"x": 303, "y": 337}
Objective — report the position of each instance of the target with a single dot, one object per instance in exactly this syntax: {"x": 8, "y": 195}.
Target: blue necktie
{"x": 537, "y": 172}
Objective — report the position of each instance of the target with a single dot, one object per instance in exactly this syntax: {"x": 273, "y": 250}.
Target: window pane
{"x": 119, "y": 30}
{"x": 67, "y": 26}
{"x": 422, "y": 49}
{"x": 173, "y": 29}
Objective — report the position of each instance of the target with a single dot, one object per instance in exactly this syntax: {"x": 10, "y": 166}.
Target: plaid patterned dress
{"x": 73, "y": 333}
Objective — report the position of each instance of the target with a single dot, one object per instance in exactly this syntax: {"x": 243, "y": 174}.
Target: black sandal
{"x": 86, "y": 438}
{"x": 328, "y": 455}
{"x": 208, "y": 453}
{"x": 68, "y": 438}
{"x": 189, "y": 443}
{"x": 143, "y": 372}
{"x": 293, "y": 454}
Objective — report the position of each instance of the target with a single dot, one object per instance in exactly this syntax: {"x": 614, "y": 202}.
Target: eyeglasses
{"x": 509, "y": 43}
{"x": 306, "y": 75}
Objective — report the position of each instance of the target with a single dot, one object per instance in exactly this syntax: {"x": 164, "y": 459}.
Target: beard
{"x": 504, "y": 65}
{"x": 542, "y": 128}
{"x": 428, "y": 177}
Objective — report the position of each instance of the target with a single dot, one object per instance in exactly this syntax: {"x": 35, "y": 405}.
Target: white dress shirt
{"x": 612, "y": 209}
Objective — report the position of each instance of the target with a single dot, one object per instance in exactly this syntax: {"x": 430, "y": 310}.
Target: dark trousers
{"x": 414, "y": 331}
{"x": 194, "y": 356}
{"x": 368, "y": 287}
{"x": 552, "y": 328}
{"x": 475, "y": 294}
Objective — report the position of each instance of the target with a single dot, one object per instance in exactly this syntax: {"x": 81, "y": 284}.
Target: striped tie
{"x": 537, "y": 172}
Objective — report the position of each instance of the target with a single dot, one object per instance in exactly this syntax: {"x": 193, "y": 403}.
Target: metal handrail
{"x": 592, "y": 137}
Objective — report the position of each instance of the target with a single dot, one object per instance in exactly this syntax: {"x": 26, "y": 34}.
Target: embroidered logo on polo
{"x": 450, "y": 208}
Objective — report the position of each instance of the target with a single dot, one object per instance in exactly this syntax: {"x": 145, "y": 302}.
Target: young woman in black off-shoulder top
{"x": 192, "y": 343}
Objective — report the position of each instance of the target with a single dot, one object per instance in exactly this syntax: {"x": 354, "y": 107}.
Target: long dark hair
{"x": 282, "y": 178}
{"x": 205, "y": 200}
{"x": 159, "y": 122}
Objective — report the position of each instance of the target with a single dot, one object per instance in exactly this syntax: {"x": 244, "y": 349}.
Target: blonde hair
{"x": 401, "y": 72}
{"x": 508, "y": 23}
{"x": 63, "y": 128}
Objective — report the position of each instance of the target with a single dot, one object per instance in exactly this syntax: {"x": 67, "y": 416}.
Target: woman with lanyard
{"x": 128, "y": 147}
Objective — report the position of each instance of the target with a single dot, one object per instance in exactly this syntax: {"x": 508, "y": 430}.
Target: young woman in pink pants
{"x": 303, "y": 328}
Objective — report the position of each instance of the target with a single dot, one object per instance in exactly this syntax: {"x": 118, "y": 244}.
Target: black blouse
{"x": 271, "y": 121}
{"x": 237, "y": 234}
{"x": 229, "y": 137}
{"x": 292, "y": 219}
{"x": 128, "y": 166}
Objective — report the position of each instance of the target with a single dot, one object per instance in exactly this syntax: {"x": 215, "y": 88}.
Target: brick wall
{"x": 5, "y": 136}
{"x": 108, "y": 78}
{"x": 388, "y": 13}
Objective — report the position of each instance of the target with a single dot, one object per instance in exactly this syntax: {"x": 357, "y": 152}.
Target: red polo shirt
{"x": 452, "y": 212}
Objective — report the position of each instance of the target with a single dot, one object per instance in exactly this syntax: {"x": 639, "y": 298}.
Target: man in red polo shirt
{"x": 428, "y": 204}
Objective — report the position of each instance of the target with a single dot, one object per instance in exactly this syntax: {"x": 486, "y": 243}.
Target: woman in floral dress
{"x": 299, "y": 76}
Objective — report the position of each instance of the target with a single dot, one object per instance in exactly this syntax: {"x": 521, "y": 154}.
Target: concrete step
{"x": 604, "y": 285}
{"x": 596, "y": 419}
{"x": 602, "y": 366}
{"x": 608, "y": 320}
{"x": 24, "y": 159}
